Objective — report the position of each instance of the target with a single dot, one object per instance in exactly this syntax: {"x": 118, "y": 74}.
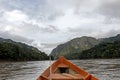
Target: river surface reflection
{"x": 104, "y": 69}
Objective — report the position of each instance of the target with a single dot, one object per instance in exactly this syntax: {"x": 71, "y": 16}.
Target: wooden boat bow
{"x": 62, "y": 69}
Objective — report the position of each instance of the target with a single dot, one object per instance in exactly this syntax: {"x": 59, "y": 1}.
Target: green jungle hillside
{"x": 89, "y": 47}
{"x": 16, "y": 51}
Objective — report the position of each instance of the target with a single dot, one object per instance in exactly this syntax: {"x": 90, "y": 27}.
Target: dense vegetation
{"x": 103, "y": 50}
{"x": 76, "y": 45}
{"x": 88, "y": 47}
{"x": 10, "y": 50}
{"x": 110, "y": 39}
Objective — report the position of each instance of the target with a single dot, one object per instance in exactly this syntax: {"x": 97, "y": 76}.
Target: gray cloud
{"x": 110, "y": 8}
{"x": 18, "y": 38}
{"x": 110, "y": 33}
{"x": 45, "y": 23}
{"x": 29, "y": 27}
{"x": 81, "y": 30}
{"x": 36, "y": 28}
{"x": 49, "y": 46}
{"x": 51, "y": 28}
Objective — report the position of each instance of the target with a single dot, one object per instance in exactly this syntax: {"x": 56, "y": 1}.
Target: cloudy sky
{"x": 47, "y": 23}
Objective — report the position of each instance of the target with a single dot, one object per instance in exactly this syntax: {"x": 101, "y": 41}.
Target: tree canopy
{"x": 20, "y": 51}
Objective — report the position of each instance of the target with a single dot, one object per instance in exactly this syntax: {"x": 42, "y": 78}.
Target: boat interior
{"x": 62, "y": 69}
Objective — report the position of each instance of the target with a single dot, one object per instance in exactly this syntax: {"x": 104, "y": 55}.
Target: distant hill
{"x": 77, "y": 45}
{"x": 11, "y": 50}
{"x": 110, "y": 39}
{"x": 108, "y": 48}
{"x": 84, "y": 46}
{"x": 103, "y": 50}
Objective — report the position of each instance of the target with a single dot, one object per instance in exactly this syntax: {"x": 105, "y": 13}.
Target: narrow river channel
{"x": 104, "y": 69}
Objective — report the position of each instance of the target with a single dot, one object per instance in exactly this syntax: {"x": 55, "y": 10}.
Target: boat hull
{"x": 63, "y": 69}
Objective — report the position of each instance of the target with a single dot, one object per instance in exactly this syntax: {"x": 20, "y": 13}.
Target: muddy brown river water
{"x": 104, "y": 69}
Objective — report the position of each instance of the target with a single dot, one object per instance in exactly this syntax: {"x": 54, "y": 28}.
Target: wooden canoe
{"x": 62, "y": 69}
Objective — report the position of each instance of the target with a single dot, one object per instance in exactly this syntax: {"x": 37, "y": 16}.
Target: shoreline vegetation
{"x": 16, "y": 51}
{"x": 89, "y": 48}
{"x": 106, "y": 48}
{"x": 55, "y": 60}
{"x": 101, "y": 51}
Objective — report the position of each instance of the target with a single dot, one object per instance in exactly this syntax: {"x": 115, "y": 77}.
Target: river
{"x": 104, "y": 69}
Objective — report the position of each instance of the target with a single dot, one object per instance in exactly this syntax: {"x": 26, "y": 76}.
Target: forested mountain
{"x": 11, "y": 50}
{"x": 103, "y": 50}
{"x": 88, "y": 47}
{"x": 110, "y": 39}
{"x": 70, "y": 48}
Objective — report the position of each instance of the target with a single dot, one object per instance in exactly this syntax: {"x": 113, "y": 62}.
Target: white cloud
{"x": 17, "y": 38}
{"x": 46, "y": 23}
{"x": 15, "y": 16}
